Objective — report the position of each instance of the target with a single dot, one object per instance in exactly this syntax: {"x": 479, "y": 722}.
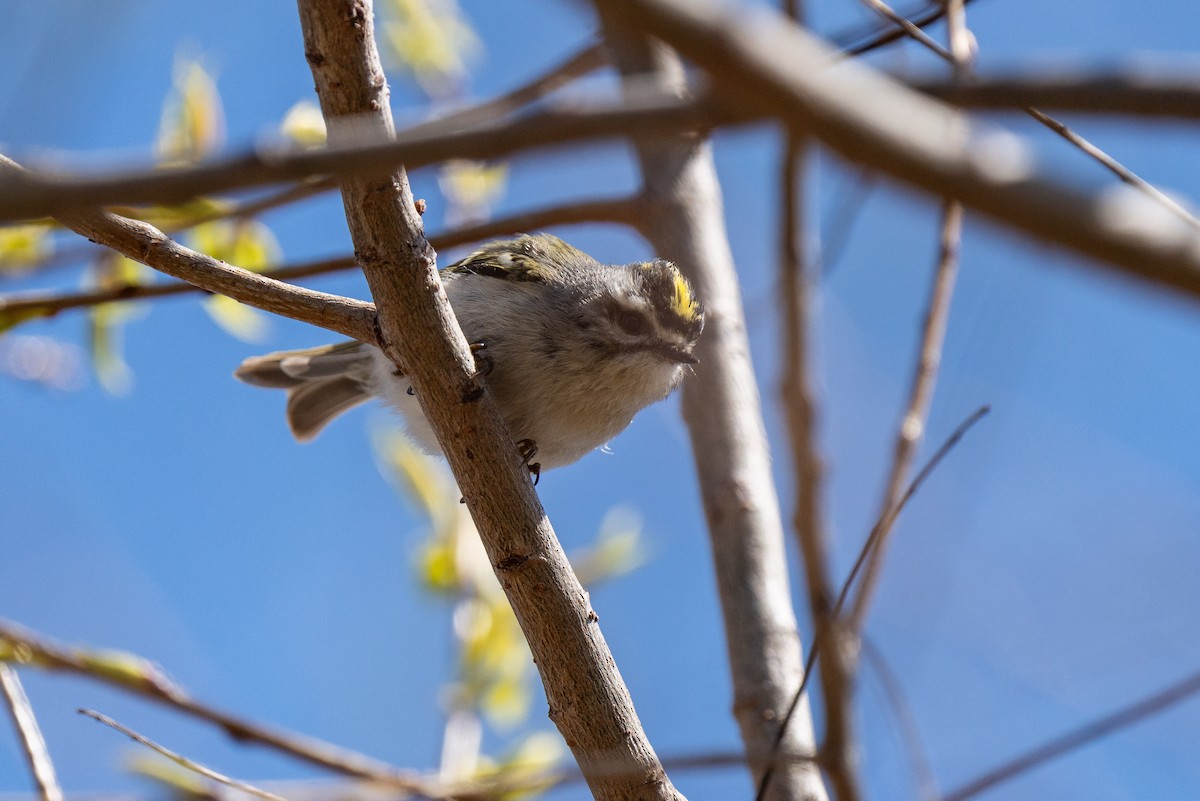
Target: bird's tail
{"x": 321, "y": 382}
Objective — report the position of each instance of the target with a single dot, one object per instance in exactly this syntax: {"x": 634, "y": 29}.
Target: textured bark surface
{"x": 722, "y": 408}
{"x": 588, "y": 699}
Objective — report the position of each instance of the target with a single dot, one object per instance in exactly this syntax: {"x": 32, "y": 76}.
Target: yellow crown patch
{"x": 685, "y": 305}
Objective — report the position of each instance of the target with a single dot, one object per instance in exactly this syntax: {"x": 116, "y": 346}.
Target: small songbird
{"x": 571, "y": 349}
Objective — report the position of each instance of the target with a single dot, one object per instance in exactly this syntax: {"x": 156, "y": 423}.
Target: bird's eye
{"x": 631, "y": 322}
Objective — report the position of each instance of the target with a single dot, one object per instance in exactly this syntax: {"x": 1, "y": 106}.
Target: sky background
{"x": 1044, "y": 576}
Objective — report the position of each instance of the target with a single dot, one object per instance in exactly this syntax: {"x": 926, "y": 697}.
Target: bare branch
{"x": 1087, "y": 733}
{"x": 21, "y": 646}
{"x": 1162, "y": 95}
{"x": 588, "y": 700}
{"x": 767, "y": 66}
{"x": 181, "y": 760}
{"x": 918, "y": 759}
{"x": 623, "y": 210}
{"x": 798, "y": 397}
{"x": 30, "y": 195}
{"x": 869, "y": 546}
{"x": 1112, "y": 165}
{"x": 857, "y": 44}
{"x": 924, "y": 380}
{"x": 41, "y": 767}
{"x": 591, "y": 58}
{"x": 144, "y": 243}
{"x": 724, "y": 418}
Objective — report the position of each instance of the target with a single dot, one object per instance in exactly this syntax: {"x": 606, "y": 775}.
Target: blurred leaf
{"x": 22, "y": 247}
{"x": 618, "y": 548}
{"x": 248, "y": 244}
{"x": 184, "y": 215}
{"x": 506, "y": 702}
{"x": 418, "y": 475}
{"x": 192, "y": 120}
{"x": 304, "y": 125}
{"x": 237, "y": 319}
{"x": 436, "y": 566}
{"x": 430, "y": 40}
{"x": 176, "y": 778}
{"x": 126, "y": 668}
{"x": 106, "y": 321}
{"x": 494, "y": 659}
{"x": 472, "y": 187}
{"x": 534, "y": 757}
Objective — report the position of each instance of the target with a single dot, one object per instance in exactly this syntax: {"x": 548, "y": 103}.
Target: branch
{"x": 181, "y": 760}
{"x": 1165, "y": 95}
{"x": 144, "y": 243}
{"x": 1108, "y": 162}
{"x": 588, "y": 700}
{"x": 1087, "y": 733}
{"x": 724, "y": 418}
{"x": 32, "y": 195}
{"x": 622, "y": 210}
{"x": 911, "y": 430}
{"x": 30, "y": 735}
{"x": 764, "y": 65}
{"x": 798, "y": 397}
{"x": 857, "y": 44}
{"x": 866, "y": 550}
{"x": 589, "y": 59}
{"x": 133, "y": 675}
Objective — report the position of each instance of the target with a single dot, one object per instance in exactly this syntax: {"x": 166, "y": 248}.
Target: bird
{"x": 570, "y": 348}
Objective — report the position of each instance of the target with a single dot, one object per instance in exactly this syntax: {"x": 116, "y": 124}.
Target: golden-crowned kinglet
{"x": 572, "y": 349}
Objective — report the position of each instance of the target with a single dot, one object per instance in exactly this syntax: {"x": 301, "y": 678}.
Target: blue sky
{"x": 1044, "y": 576}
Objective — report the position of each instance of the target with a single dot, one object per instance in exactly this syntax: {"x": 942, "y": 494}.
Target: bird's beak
{"x": 678, "y": 355}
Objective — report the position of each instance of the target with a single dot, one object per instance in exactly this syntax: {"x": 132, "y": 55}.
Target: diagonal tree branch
{"x": 724, "y": 418}
{"x": 32, "y": 195}
{"x": 588, "y": 700}
{"x": 873, "y": 120}
{"x": 1073, "y": 740}
{"x": 43, "y": 303}
{"x": 30, "y": 735}
{"x": 911, "y": 430}
{"x": 1088, "y": 148}
{"x": 144, "y": 243}
{"x": 132, "y": 674}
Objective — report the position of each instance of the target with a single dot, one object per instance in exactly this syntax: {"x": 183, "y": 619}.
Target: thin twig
{"x": 857, "y": 44}
{"x": 144, "y": 243}
{"x": 37, "y": 755}
{"x": 136, "y": 676}
{"x": 933, "y": 334}
{"x": 181, "y": 760}
{"x": 723, "y": 413}
{"x": 1073, "y": 740}
{"x": 623, "y": 210}
{"x": 1112, "y": 165}
{"x": 924, "y": 380}
{"x": 906, "y": 722}
{"x": 799, "y": 403}
{"x": 586, "y": 60}
{"x": 866, "y": 550}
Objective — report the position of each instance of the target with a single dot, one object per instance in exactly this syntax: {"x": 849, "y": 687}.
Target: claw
{"x": 528, "y": 449}
{"x": 484, "y": 364}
